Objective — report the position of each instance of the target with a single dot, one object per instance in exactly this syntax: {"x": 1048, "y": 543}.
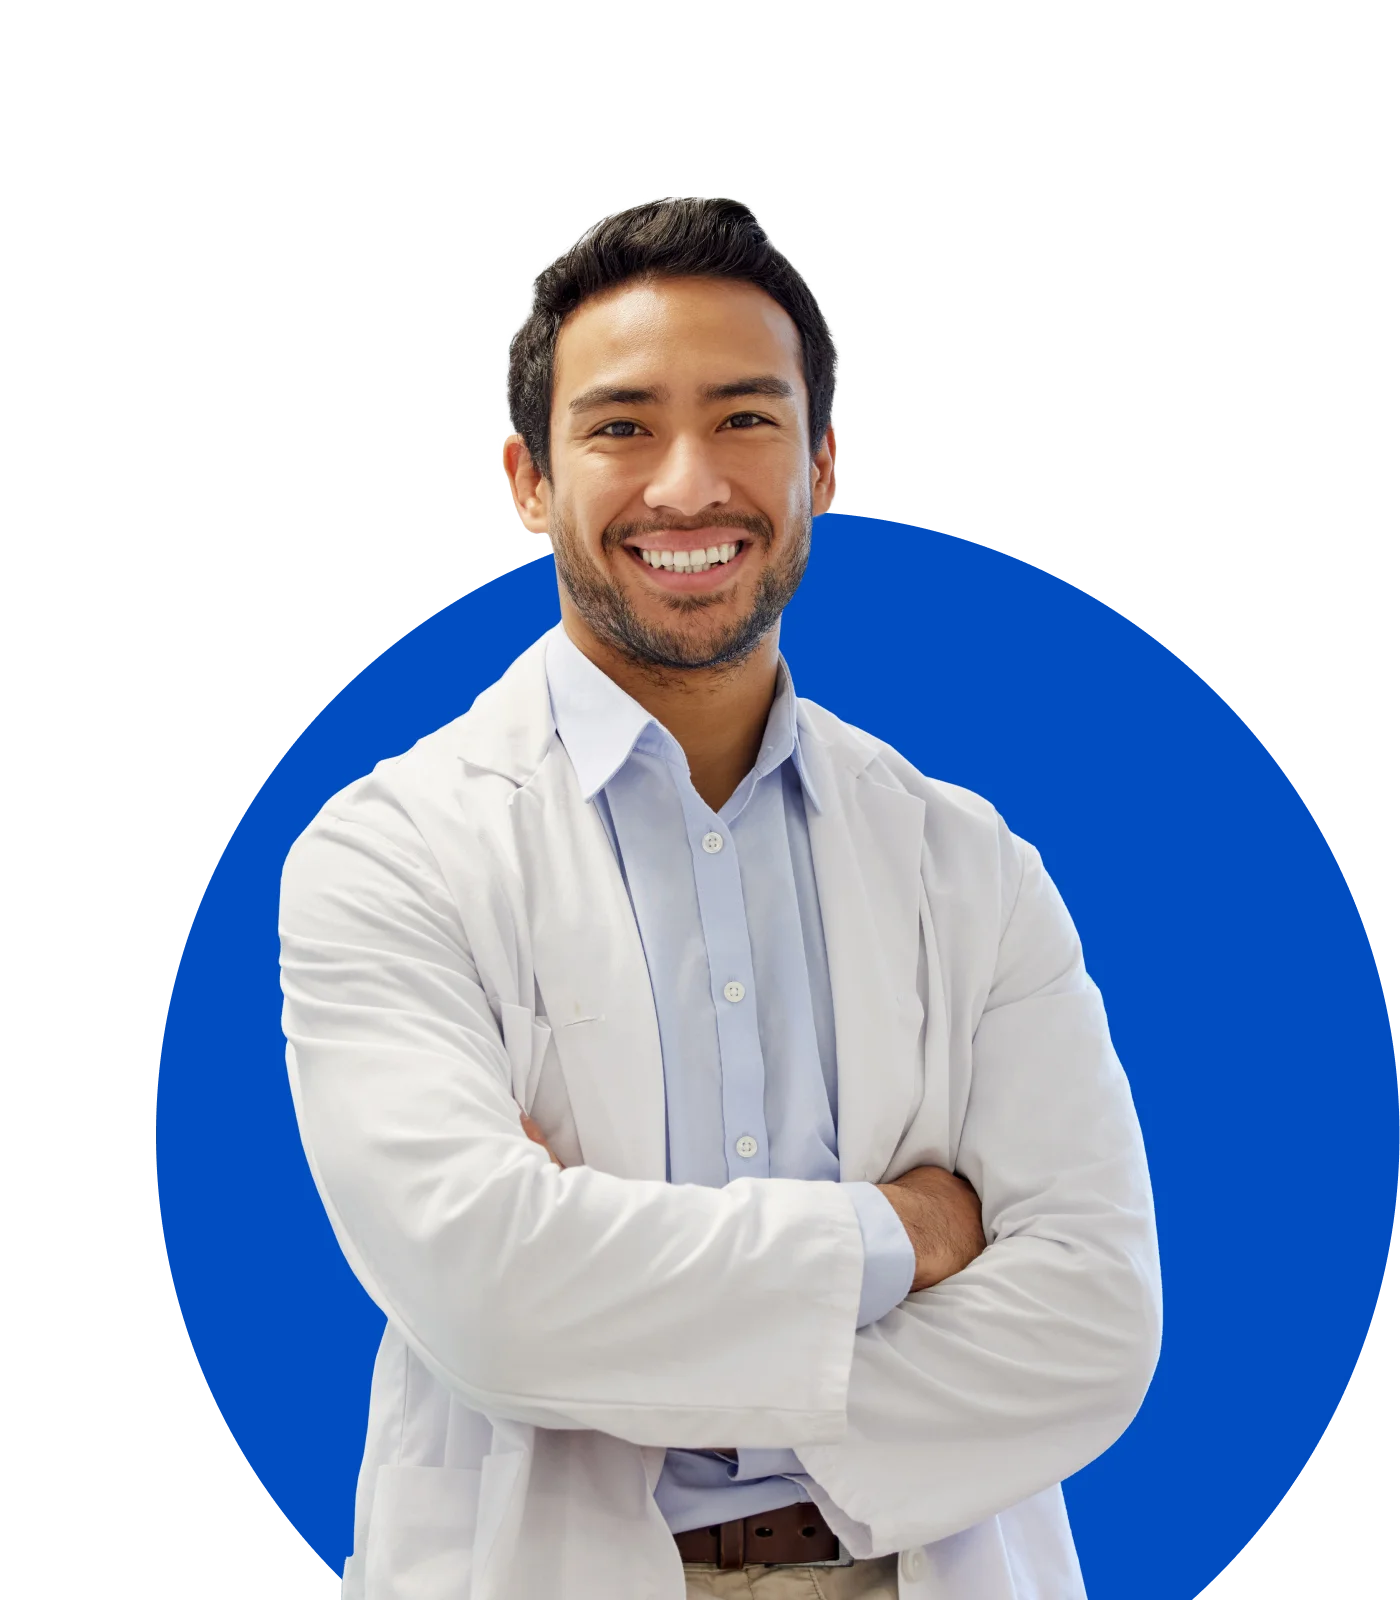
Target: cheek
{"x": 601, "y": 493}
{"x": 781, "y": 485}
{"x": 785, "y": 505}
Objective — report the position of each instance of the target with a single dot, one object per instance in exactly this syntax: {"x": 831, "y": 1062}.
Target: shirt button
{"x": 734, "y": 992}
{"x": 712, "y": 843}
{"x": 747, "y": 1145}
{"x": 913, "y": 1563}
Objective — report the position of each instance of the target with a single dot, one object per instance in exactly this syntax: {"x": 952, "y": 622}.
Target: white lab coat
{"x": 457, "y": 941}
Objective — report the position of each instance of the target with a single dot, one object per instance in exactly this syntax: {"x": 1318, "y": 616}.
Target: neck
{"x": 716, "y": 714}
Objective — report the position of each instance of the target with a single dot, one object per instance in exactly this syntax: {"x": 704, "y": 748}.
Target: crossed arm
{"x": 576, "y": 1299}
{"x": 939, "y": 1211}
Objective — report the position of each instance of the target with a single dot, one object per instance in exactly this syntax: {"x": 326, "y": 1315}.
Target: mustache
{"x": 617, "y": 533}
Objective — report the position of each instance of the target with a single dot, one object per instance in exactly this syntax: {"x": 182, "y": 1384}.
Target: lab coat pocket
{"x": 421, "y": 1527}
{"x": 526, "y": 1039}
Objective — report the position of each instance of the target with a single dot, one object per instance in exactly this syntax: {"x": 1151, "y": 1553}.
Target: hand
{"x": 942, "y": 1215}
{"x": 532, "y": 1131}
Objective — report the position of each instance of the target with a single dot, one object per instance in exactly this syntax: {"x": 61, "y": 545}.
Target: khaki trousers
{"x": 866, "y": 1580}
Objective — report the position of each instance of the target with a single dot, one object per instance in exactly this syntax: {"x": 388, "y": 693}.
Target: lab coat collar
{"x": 554, "y": 688}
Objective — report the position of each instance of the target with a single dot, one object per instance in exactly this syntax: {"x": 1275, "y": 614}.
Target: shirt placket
{"x": 724, "y": 929}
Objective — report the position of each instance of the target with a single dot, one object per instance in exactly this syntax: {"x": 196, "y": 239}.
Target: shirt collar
{"x": 601, "y": 724}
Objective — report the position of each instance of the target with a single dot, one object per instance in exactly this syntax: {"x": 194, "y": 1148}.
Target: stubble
{"x": 607, "y": 611}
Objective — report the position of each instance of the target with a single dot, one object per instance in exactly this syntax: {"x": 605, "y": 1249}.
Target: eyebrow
{"x": 613, "y": 395}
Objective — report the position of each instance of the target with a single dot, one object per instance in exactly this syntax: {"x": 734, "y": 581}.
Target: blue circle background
{"x": 1240, "y": 988}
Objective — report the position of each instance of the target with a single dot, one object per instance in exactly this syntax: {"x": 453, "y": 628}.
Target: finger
{"x": 532, "y": 1131}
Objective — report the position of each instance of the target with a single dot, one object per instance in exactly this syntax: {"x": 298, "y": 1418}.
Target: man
{"x": 718, "y": 1108}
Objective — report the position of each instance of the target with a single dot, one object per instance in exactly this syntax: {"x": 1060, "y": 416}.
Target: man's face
{"x": 683, "y": 484}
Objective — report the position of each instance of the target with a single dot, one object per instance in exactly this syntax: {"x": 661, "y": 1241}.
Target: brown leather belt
{"x": 791, "y": 1536}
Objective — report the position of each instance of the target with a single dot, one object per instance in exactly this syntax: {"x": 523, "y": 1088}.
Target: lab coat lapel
{"x": 585, "y": 950}
{"x": 592, "y": 975}
{"x": 867, "y": 842}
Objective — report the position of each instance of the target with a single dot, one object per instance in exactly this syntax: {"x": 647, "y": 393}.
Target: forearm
{"x": 578, "y": 1299}
{"x": 994, "y": 1385}
{"x": 886, "y": 1276}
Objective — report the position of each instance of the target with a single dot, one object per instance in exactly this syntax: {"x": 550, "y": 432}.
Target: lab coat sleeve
{"x": 889, "y": 1253}
{"x": 670, "y": 1315}
{"x": 1020, "y": 1369}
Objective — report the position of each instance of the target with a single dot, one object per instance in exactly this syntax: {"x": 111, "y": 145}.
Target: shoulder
{"x": 374, "y": 835}
{"x": 399, "y": 788}
{"x": 967, "y": 837}
{"x": 883, "y": 764}
{"x": 454, "y": 787}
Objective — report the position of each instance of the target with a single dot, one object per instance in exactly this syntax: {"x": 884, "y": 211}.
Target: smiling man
{"x": 718, "y": 1108}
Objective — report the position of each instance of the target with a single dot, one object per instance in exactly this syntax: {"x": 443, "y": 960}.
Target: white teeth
{"x": 690, "y": 560}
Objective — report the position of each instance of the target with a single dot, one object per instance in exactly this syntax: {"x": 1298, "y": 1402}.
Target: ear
{"x": 528, "y": 485}
{"x": 824, "y": 474}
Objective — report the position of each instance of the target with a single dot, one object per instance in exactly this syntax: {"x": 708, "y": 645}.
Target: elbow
{"x": 448, "y": 1277}
{"x": 1147, "y": 1352}
{"x": 470, "y": 1342}
{"x": 1133, "y": 1363}
{"x": 502, "y": 1357}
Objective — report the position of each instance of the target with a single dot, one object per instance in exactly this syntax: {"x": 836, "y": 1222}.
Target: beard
{"x": 611, "y": 616}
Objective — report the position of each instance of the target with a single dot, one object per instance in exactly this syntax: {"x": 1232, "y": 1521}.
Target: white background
{"x": 1114, "y": 289}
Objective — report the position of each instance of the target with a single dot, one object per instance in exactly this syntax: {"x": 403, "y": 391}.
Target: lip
{"x": 690, "y": 539}
{"x": 688, "y": 582}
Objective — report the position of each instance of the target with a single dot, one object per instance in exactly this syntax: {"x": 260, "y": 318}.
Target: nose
{"x": 687, "y": 480}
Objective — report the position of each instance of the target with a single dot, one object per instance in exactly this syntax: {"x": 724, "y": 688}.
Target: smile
{"x": 692, "y": 570}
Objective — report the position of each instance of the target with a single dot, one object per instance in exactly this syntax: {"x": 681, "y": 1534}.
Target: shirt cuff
{"x": 889, "y": 1256}
{"x": 763, "y": 1464}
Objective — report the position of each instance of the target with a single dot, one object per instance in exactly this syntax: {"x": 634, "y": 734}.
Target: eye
{"x": 618, "y": 430}
{"x": 744, "y": 419}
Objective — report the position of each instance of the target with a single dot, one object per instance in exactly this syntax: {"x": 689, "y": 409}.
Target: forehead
{"x": 675, "y": 331}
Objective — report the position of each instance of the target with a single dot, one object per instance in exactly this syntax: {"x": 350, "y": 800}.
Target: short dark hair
{"x": 690, "y": 238}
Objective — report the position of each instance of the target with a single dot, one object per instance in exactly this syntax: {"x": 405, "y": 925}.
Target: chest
{"x": 580, "y": 1020}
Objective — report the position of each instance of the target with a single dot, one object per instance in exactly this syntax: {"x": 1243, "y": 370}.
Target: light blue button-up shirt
{"x": 726, "y": 905}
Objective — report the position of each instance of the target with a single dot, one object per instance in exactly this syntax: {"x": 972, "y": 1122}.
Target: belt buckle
{"x": 845, "y": 1559}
